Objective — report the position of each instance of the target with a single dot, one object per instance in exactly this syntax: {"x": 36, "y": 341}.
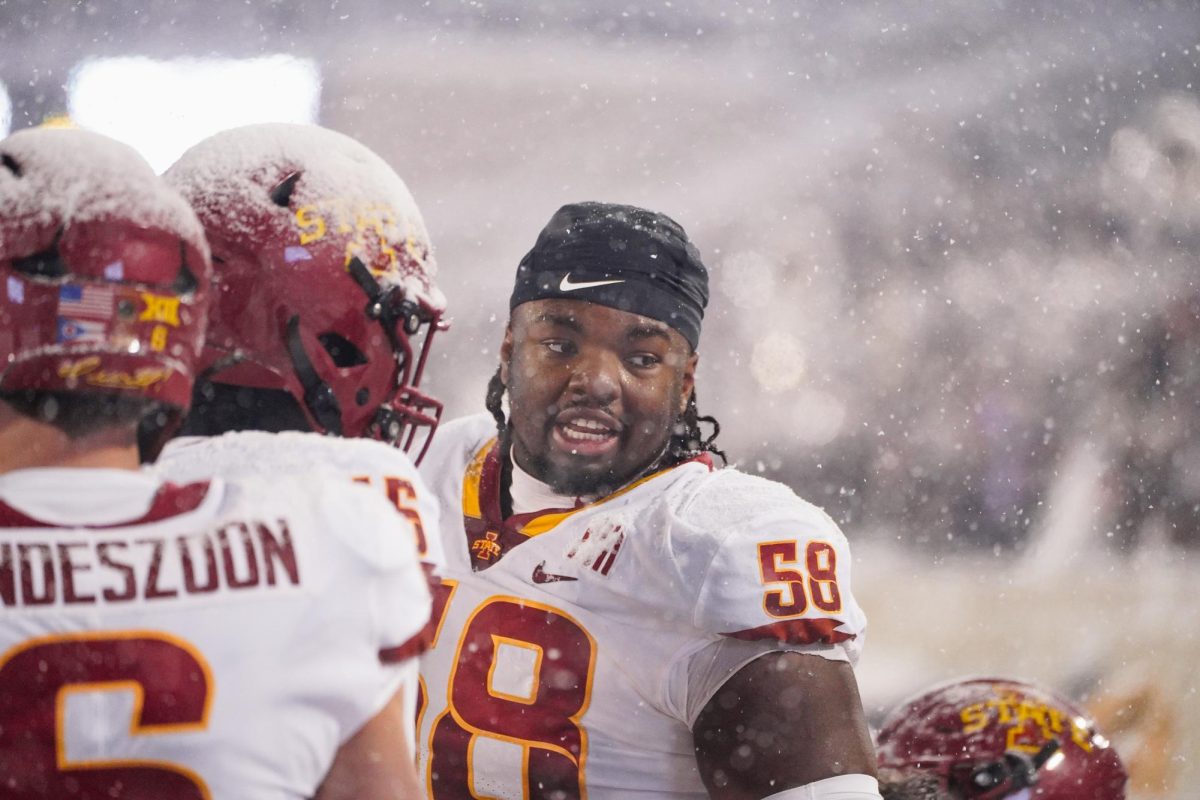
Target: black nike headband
{"x": 623, "y": 257}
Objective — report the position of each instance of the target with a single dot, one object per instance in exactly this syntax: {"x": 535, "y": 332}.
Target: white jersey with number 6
{"x": 213, "y": 640}
{"x": 576, "y": 647}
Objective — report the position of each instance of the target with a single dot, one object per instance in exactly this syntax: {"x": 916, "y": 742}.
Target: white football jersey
{"x": 376, "y": 464}
{"x": 214, "y": 640}
{"x": 576, "y": 647}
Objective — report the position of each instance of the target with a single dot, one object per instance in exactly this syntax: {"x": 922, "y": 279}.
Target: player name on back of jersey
{"x": 58, "y": 568}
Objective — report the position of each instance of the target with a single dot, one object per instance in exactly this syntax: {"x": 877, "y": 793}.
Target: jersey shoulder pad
{"x": 237, "y": 453}
{"x": 729, "y": 502}
{"x": 247, "y": 452}
{"x": 455, "y": 444}
{"x": 349, "y": 456}
{"x": 765, "y": 564}
{"x": 361, "y": 520}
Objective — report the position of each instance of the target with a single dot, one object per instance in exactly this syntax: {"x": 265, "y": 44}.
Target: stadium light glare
{"x": 162, "y": 108}
{"x": 5, "y": 112}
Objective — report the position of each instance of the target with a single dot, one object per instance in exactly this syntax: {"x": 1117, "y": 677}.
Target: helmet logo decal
{"x": 293, "y": 253}
{"x": 308, "y": 218}
{"x": 370, "y": 227}
{"x": 1028, "y": 723}
{"x": 16, "y": 290}
{"x": 89, "y": 369}
{"x": 160, "y": 308}
{"x": 84, "y": 313}
{"x": 93, "y": 313}
{"x": 996, "y": 737}
{"x": 302, "y": 205}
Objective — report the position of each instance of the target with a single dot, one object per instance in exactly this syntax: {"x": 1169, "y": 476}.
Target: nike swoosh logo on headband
{"x": 567, "y": 285}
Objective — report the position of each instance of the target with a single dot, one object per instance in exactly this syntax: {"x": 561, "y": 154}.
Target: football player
{"x": 210, "y": 640}
{"x": 320, "y": 328}
{"x": 621, "y": 616}
{"x": 324, "y": 311}
{"x": 993, "y": 738}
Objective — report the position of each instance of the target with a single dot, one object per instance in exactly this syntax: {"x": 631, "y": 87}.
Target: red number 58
{"x": 778, "y": 562}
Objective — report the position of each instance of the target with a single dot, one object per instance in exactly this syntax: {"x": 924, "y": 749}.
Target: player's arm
{"x": 387, "y": 598}
{"x": 772, "y": 701}
{"x": 786, "y": 720}
{"x": 371, "y": 765}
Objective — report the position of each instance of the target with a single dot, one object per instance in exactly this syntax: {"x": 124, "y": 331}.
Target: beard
{"x": 593, "y": 480}
{"x": 583, "y": 482}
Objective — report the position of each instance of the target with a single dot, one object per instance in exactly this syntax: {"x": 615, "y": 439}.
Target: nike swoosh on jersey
{"x": 567, "y": 285}
{"x": 541, "y": 576}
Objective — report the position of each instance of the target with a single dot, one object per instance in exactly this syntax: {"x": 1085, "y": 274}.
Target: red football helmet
{"x": 325, "y": 277}
{"x": 991, "y": 738}
{"x": 105, "y": 271}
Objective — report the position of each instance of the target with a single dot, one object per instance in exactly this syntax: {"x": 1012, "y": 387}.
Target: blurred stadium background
{"x": 955, "y": 250}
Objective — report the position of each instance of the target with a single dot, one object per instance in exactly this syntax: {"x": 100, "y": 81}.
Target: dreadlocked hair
{"x": 687, "y": 440}
{"x": 495, "y": 406}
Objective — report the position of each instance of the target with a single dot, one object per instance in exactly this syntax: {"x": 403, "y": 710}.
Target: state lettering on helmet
{"x": 988, "y": 737}
{"x": 372, "y": 232}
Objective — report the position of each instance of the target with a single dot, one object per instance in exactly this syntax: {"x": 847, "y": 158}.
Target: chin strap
{"x": 381, "y": 304}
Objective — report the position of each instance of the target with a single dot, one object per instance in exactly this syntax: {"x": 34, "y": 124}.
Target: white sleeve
{"x": 784, "y": 577}
{"x": 432, "y": 552}
{"x": 840, "y": 787}
{"x": 707, "y": 670}
{"x": 391, "y": 473}
{"x": 390, "y": 603}
{"x": 771, "y": 573}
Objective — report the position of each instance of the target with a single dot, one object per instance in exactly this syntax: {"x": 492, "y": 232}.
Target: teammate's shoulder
{"x": 347, "y": 455}
{"x": 356, "y": 517}
{"x": 457, "y": 441}
{"x": 287, "y": 451}
{"x": 728, "y": 500}
{"x": 364, "y": 520}
{"x": 193, "y": 446}
{"x": 234, "y": 453}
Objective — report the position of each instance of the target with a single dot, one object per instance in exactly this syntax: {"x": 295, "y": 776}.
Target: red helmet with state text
{"x": 104, "y": 272}
{"x": 991, "y": 738}
{"x": 324, "y": 277}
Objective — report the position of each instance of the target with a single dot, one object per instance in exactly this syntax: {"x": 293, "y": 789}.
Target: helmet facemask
{"x": 400, "y": 415}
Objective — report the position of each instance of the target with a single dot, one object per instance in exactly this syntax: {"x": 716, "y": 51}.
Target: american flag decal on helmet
{"x": 90, "y": 302}
{"x": 84, "y": 313}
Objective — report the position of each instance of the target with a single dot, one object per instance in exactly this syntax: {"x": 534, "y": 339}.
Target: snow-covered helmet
{"x": 991, "y": 738}
{"x": 104, "y": 272}
{"x": 325, "y": 277}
